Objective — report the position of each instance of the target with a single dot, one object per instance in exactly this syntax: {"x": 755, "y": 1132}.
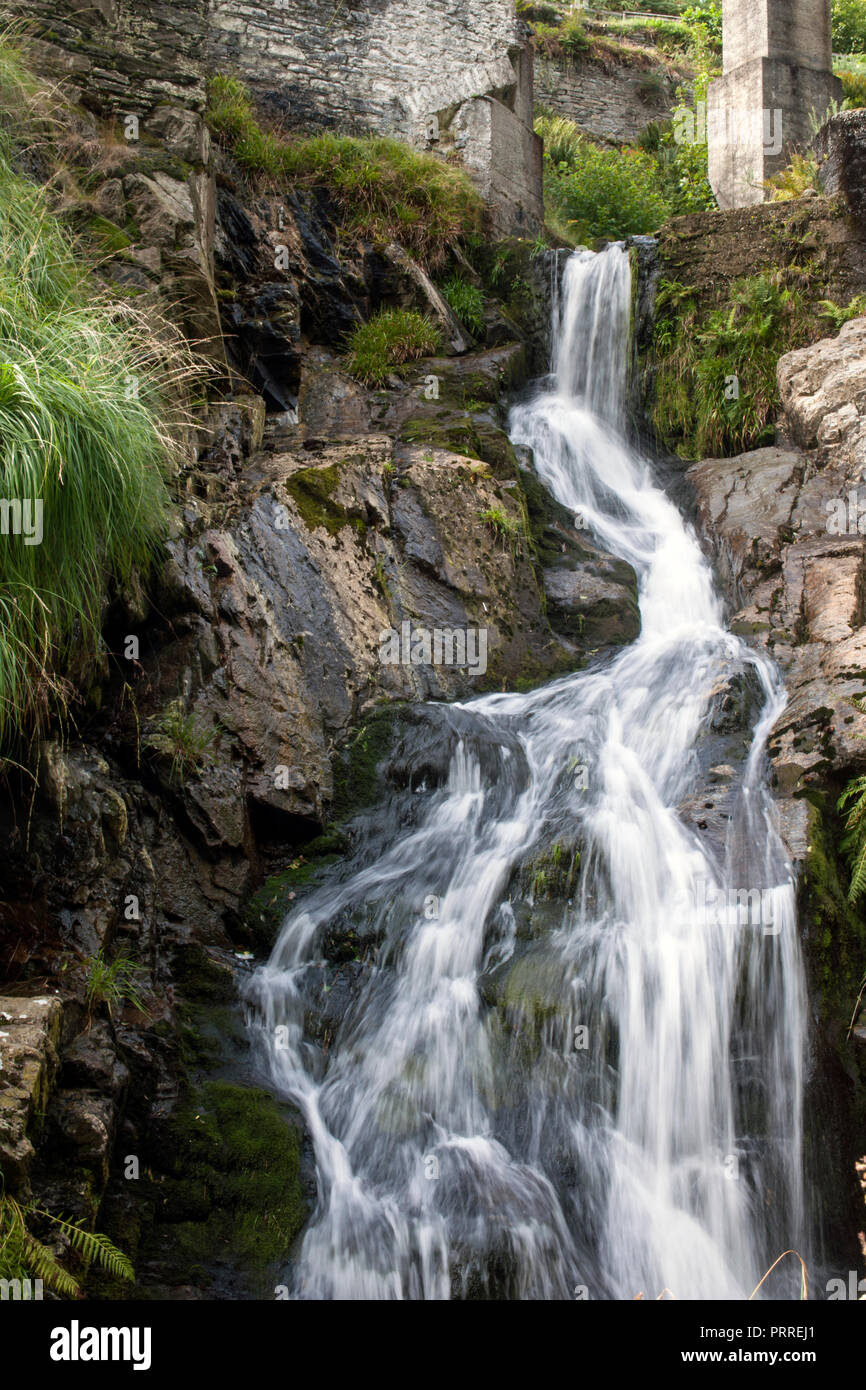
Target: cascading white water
{"x": 628, "y": 1118}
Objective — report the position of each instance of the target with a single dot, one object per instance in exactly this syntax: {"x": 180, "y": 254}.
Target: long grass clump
{"x": 386, "y": 190}
{"x": 89, "y": 393}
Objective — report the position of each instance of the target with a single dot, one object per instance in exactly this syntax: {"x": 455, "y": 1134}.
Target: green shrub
{"x": 562, "y": 138}
{"x": 86, "y": 392}
{"x": 467, "y": 302}
{"x": 709, "y": 14}
{"x": 716, "y": 392}
{"x": 599, "y": 192}
{"x": 849, "y": 26}
{"x": 793, "y": 181}
{"x": 387, "y": 341}
{"x": 853, "y": 89}
{"x": 386, "y": 190}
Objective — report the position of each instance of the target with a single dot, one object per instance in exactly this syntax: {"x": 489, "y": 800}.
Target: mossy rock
{"x": 266, "y": 910}
{"x": 357, "y": 767}
{"x": 232, "y": 1192}
{"x": 312, "y": 490}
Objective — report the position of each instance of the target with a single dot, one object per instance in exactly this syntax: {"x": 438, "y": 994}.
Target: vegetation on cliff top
{"x": 715, "y": 392}
{"x": 88, "y": 391}
{"x": 386, "y": 190}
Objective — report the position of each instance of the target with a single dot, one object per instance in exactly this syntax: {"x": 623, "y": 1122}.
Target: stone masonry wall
{"x": 615, "y": 105}
{"x": 398, "y": 67}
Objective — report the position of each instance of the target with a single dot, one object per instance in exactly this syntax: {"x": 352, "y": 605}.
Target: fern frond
{"x": 95, "y": 1247}
{"x": 43, "y": 1265}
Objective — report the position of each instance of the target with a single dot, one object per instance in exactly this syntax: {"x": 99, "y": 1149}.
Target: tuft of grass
{"x": 386, "y": 190}
{"x": 90, "y": 394}
{"x": 112, "y": 983}
{"x": 853, "y": 89}
{"x": 388, "y": 340}
{"x": 176, "y": 736}
{"x": 506, "y": 528}
{"x": 467, "y": 301}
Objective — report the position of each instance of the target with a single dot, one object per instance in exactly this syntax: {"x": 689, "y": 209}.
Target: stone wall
{"x": 399, "y": 67}
{"x": 616, "y": 104}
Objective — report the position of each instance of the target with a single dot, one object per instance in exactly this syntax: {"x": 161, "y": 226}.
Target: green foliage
{"x": 849, "y": 26}
{"x": 715, "y": 390}
{"x": 666, "y": 34}
{"x": 467, "y": 302}
{"x": 853, "y": 88}
{"x": 707, "y": 13}
{"x": 175, "y": 735}
{"x": 600, "y": 192}
{"x": 840, "y": 314}
{"x": 386, "y": 190}
{"x": 22, "y": 1256}
{"x": 853, "y": 846}
{"x": 563, "y": 140}
{"x": 88, "y": 393}
{"x": 112, "y": 983}
{"x": 505, "y": 527}
{"x": 387, "y": 341}
{"x": 792, "y": 182}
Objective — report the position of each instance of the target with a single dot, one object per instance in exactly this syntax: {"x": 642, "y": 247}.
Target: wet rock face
{"x": 785, "y": 527}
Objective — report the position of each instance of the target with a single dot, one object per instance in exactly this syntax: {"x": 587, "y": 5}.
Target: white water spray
{"x": 624, "y": 1116}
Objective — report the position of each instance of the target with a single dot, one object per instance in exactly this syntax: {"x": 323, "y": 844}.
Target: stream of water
{"x": 612, "y": 1105}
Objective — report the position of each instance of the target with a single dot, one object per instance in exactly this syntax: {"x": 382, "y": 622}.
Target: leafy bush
{"x": 388, "y": 340}
{"x": 599, "y": 192}
{"x": 849, "y": 26}
{"x": 86, "y": 433}
{"x": 853, "y": 89}
{"x": 562, "y": 138}
{"x": 792, "y": 182}
{"x": 386, "y": 190}
{"x": 715, "y": 390}
{"x": 467, "y": 302}
{"x": 709, "y": 14}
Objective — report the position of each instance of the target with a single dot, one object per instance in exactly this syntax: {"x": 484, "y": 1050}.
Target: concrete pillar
{"x": 778, "y": 71}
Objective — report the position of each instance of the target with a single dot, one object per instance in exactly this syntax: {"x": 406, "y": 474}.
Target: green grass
{"x": 112, "y": 983}
{"x": 88, "y": 403}
{"x": 467, "y": 301}
{"x": 386, "y": 190}
{"x": 853, "y": 88}
{"x": 175, "y": 736}
{"x": 387, "y": 341}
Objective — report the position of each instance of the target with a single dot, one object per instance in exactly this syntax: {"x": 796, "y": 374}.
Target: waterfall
{"x": 624, "y": 1116}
